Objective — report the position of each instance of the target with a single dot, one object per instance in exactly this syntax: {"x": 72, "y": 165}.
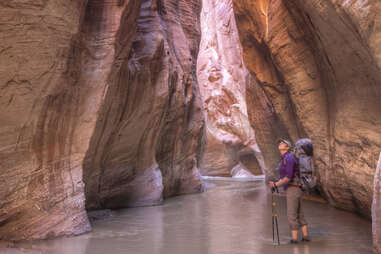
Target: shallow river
{"x": 232, "y": 217}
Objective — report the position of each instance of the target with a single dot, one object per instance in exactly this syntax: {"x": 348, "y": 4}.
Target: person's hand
{"x": 271, "y": 184}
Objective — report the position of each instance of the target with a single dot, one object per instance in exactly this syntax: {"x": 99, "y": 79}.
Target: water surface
{"x": 232, "y": 217}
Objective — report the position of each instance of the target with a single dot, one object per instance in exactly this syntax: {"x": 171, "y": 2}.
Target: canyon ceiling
{"x": 111, "y": 104}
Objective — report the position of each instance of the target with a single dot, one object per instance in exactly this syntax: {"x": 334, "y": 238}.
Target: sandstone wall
{"x": 101, "y": 99}
{"x": 317, "y": 63}
{"x": 376, "y": 208}
{"x": 84, "y": 99}
{"x": 148, "y": 134}
{"x": 41, "y": 188}
{"x": 229, "y": 138}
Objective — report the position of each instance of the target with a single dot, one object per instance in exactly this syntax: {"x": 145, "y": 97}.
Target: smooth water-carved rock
{"x": 147, "y": 139}
{"x": 317, "y": 64}
{"x": 106, "y": 93}
{"x": 376, "y": 209}
{"x": 55, "y": 59}
{"x": 222, "y": 78}
{"x": 75, "y": 95}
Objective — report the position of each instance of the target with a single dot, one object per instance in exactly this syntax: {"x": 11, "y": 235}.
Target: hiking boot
{"x": 306, "y": 239}
{"x": 292, "y": 241}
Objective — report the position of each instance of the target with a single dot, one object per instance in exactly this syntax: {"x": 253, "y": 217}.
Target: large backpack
{"x": 303, "y": 151}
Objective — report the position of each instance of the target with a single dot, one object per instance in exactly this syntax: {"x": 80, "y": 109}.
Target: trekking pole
{"x": 274, "y": 215}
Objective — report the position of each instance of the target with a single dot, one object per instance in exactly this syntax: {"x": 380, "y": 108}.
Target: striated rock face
{"x": 54, "y": 67}
{"x": 41, "y": 188}
{"x": 222, "y": 76}
{"x": 376, "y": 208}
{"x": 84, "y": 100}
{"x": 148, "y": 132}
{"x": 315, "y": 69}
{"x": 106, "y": 101}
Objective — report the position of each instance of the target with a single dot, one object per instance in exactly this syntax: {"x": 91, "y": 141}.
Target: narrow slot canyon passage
{"x": 231, "y": 217}
{"x": 152, "y": 126}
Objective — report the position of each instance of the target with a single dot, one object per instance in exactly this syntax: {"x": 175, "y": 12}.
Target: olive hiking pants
{"x": 295, "y": 214}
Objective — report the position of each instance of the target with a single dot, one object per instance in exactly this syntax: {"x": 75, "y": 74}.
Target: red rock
{"x": 317, "y": 64}
{"x": 147, "y": 137}
{"x": 41, "y": 188}
{"x": 376, "y": 208}
{"x": 222, "y": 81}
{"x": 74, "y": 85}
{"x": 107, "y": 93}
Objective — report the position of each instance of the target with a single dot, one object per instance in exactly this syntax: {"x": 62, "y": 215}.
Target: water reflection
{"x": 232, "y": 217}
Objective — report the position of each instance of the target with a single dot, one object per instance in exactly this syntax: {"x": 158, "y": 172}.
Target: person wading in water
{"x": 289, "y": 179}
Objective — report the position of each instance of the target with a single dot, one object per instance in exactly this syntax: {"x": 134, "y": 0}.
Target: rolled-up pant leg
{"x": 301, "y": 219}
{"x": 295, "y": 213}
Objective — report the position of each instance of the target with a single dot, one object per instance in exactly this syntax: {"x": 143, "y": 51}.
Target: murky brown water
{"x": 232, "y": 217}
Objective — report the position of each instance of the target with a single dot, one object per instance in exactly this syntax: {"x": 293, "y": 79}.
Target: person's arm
{"x": 282, "y": 181}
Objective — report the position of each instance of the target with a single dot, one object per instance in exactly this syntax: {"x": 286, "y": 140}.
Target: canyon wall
{"x": 105, "y": 101}
{"x": 41, "y": 177}
{"x": 230, "y": 147}
{"x": 146, "y": 142}
{"x": 315, "y": 69}
{"x": 85, "y": 100}
{"x": 376, "y": 208}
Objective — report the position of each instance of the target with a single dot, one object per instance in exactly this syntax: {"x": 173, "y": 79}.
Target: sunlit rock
{"x": 222, "y": 78}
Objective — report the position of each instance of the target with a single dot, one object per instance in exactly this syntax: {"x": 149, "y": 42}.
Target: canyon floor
{"x": 231, "y": 216}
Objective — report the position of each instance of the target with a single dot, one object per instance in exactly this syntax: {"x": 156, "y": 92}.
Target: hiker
{"x": 289, "y": 179}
